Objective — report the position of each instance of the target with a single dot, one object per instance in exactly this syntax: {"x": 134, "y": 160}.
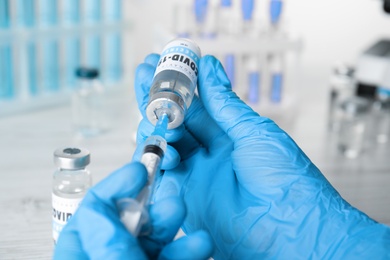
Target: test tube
{"x": 254, "y": 80}
{"x": 200, "y": 10}
{"x": 6, "y": 70}
{"x": 26, "y": 79}
{"x": 232, "y": 28}
{"x": 92, "y": 16}
{"x": 277, "y": 68}
{"x": 247, "y": 7}
{"x": 210, "y": 25}
{"x": 113, "y": 43}
{"x": 47, "y": 13}
{"x": 72, "y": 44}
{"x": 275, "y": 8}
{"x": 225, "y": 15}
{"x": 181, "y": 22}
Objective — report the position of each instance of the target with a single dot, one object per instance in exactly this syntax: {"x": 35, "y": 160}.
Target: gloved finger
{"x": 124, "y": 182}
{"x": 197, "y": 120}
{"x": 197, "y": 245}
{"x": 234, "y": 117}
{"x": 69, "y": 246}
{"x": 102, "y": 234}
{"x": 152, "y": 59}
{"x": 166, "y": 218}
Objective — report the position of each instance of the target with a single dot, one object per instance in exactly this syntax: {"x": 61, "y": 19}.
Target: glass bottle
{"x": 70, "y": 183}
{"x": 353, "y": 122}
{"x": 88, "y": 103}
{"x": 342, "y": 87}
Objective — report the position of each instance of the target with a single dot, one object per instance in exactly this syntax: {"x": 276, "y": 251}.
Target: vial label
{"x": 63, "y": 210}
{"x": 182, "y": 56}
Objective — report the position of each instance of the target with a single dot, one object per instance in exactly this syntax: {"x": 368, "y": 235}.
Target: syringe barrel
{"x": 155, "y": 147}
{"x": 174, "y": 82}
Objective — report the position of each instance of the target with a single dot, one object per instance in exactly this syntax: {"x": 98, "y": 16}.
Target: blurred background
{"x": 320, "y": 69}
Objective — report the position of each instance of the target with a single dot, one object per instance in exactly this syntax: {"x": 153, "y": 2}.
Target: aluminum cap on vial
{"x": 71, "y": 158}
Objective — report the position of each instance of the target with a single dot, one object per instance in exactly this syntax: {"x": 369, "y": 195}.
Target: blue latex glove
{"x": 247, "y": 183}
{"x": 95, "y": 231}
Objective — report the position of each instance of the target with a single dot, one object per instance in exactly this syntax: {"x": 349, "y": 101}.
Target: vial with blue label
{"x": 71, "y": 181}
{"x": 174, "y": 82}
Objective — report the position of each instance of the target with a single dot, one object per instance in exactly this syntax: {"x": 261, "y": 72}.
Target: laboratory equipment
{"x": 174, "y": 82}
{"x": 275, "y": 11}
{"x": 88, "y": 103}
{"x": 27, "y": 78}
{"x": 70, "y": 183}
{"x": 72, "y": 43}
{"x": 113, "y": 43}
{"x": 277, "y": 71}
{"x": 247, "y": 7}
{"x": 254, "y": 80}
{"x": 380, "y": 116}
{"x": 386, "y": 6}
{"x": 134, "y": 212}
{"x": 210, "y": 24}
{"x": 50, "y": 78}
{"x": 7, "y": 90}
{"x": 342, "y": 86}
{"x": 353, "y": 123}
{"x": 181, "y": 23}
{"x": 200, "y": 10}
{"x": 373, "y": 68}
{"x": 92, "y": 16}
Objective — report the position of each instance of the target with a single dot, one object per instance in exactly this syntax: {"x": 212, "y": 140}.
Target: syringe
{"x": 134, "y": 212}
{"x": 170, "y": 96}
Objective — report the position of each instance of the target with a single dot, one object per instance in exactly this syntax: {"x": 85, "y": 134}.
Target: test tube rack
{"x": 244, "y": 45}
{"x": 19, "y": 38}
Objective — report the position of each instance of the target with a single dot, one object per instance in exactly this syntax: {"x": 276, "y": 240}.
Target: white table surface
{"x": 27, "y": 142}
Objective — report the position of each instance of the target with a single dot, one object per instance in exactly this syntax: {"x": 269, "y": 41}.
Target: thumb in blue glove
{"x": 96, "y": 232}
{"x": 247, "y": 183}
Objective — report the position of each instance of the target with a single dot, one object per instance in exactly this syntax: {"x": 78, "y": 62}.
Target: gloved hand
{"x": 247, "y": 183}
{"x": 95, "y": 231}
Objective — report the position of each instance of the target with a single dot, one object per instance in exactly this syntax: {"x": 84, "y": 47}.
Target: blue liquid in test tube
{"x": 92, "y": 16}
{"x": 229, "y": 68}
{"x": 247, "y": 9}
{"x": 6, "y": 65}
{"x": 26, "y": 19}
{"x": 229, "y": 59}
{"x": 200, "y": 8}
{"x": 276, "y": 64}
{"x": 49, "y": 46}
{"x": 72, "y": 44}
{"x": 276, "y": 87}
{"x": 254, "y": 87}
{"x": 113, "y": 53}
{"x": 276, "y": 7}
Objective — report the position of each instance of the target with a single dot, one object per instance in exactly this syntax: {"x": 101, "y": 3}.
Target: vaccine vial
{"x": 70, "y": 183}
{"x": 174, "y": 82}
{"x": 88, "y": 103}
